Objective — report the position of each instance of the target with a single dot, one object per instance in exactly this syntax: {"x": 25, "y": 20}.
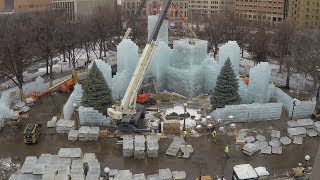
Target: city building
{"x": 266, "y": 10}
{"x": 25, "y": 5}
{"x": 1, "y": 5}
{"x": 209, "y": 7}
{"x": 32, "y": 5}
{"x": 77, "y": 8}
{"x": 304, "y": 13}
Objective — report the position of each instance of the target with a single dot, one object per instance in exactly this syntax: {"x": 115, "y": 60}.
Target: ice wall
{"x": 127, "y": 59}
{"x": 302, "y": 109}
{"x": 230, "y": 50}
{"x": 185, "y": 72}
{"x": 90, "y": 116}
{"x": 5, "y": 102}
{"x": 249, "y": 112}
{"x": 211, "y": 71}
{"x": 159, "y": 64}
{"x": 243, "y": 91}
{"x": 75, "y": 97}
{"x": 260, "y": 76}
{"x": 163, "y": 32}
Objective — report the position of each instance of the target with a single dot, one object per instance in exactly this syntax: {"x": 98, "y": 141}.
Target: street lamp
{"x": 294, "y": 105}
{"x": 199, "y": 127}
{"x": 75, "y": 110}
{"x": 185, "y": 115}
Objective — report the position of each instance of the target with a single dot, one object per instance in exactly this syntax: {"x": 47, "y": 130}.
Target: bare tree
{"x": 282, "y": 41}
{"x": 258, "y": 45}
{"x": 15, "y": 49}
{"x": 306, "y": 55}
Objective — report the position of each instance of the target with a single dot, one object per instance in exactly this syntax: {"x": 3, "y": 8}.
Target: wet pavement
{"x": 207, "y": 158}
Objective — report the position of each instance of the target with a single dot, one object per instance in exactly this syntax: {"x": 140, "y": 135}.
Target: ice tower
{"x": 185, "y": 73}
{"x": 211, "y": 71}
{"x": 159, "y": 64}
{"x": 230, "y": 50}
{"x": 163, "y": 32}
{"x": 260, "y": 76}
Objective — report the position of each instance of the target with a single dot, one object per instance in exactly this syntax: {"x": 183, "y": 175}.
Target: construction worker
{"x": 213, "y": 136}
{"x": 226, "y": 151}
{"x": 184, "y": 134}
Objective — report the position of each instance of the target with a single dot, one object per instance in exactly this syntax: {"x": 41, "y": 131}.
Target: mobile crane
{"x": 127, "y": 114}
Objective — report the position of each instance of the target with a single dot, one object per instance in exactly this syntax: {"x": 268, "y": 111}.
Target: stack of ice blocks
{"x": 93, "y": 134}
{"x": 83, "y": 133}
{"x": 41, "y": 163}
{"x": 127, "y": 146}
{"x": 185, "y": 73}
{"x": 165, "y": 174}
{"x": 64, "y": 167}
{"x": 260, "y": 76}
{"x": 64, "y": 126}
{"x": 211, "y": 71}
{"x": 75, "y": 97}
{"x": 123, "y": 174}
{"x": 302, "y": 109}
{"x": 175, "y": 146}
{"x": 29, "y": 164}
{"x": 159, "y": 64}
{"x": 230, "y": 50}
{"x": 5, "y": 102}
{"x": 163, "y": 32}
{"x": 139, "y": 146}
{"x": 152, "y": 146}
{"x": 73, "y": 135}
{"x": 93, "y": 166}
{"x": 90, "y": 116}
{"x": 249, "y": 112}
{"x": 77, "y": 170}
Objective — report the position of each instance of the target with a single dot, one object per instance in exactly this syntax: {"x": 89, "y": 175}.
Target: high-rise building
{"x": 209, "y": 7}
{"x": 1, "y": 5}
{"x": 32, "y": 5}
{"x": 266, "y": 10}
{"x": 304, "y": 13}
{"x": 76, "y": 8}
{"x": 25, "y": 5}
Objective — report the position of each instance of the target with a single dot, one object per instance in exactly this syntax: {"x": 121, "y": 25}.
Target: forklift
{"x": 31, "y": 134}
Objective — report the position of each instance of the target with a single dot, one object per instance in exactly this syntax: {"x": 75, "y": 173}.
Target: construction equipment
{"x": 127, "y": 114}
{"x": 245, "y": 79}
{"x": 174, "y": 6}
{"x": 63, "y": 86}
{"x": 30, "y": 134}
{"x": 132, "y": 20}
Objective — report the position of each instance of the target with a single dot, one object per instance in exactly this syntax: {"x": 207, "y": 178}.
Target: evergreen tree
{"x": 96, "y": 92}
{"x": 226, "y": 90}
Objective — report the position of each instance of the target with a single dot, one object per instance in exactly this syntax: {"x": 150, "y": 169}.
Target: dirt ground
{"x": 207, "y": 157}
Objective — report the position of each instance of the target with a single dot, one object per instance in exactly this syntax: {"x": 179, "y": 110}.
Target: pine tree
{"x": 226, "y": 90}
{"x": 96, "y": 92}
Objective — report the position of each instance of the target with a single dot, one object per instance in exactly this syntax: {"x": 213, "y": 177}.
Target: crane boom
{"x": 128, "y": 103}
{"x": 132, "y": 20}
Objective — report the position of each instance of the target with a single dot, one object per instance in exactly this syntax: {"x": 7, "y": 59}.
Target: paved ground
{"x": 109, "y": 154}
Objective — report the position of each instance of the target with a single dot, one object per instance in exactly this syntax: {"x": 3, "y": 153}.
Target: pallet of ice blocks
{"x": 93, "y": 134}
{"x": 139, "y": 177}
{"x": 75, "y": 152}
{"x": 64, "y": 126}
{"x": 152, "y": 146}
{"x": 165, "y": 174}
{"x": 77, "y": 168}
{"x": 123, "y": 174}
{"x": 307, "y": 123}
{"x": 139, "y": 146}
{"x": 83, "y": 133}
{"x": 73, "y": 135}
{"x": 127, "y": 146}
{"x": 28, "y": 164}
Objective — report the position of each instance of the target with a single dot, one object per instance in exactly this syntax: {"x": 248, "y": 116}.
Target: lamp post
{"x": 75, "y": 110}
{"x": 294, "y": 105}
{"x": 185, "y": 115}
{"x": 199, "y": 127}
